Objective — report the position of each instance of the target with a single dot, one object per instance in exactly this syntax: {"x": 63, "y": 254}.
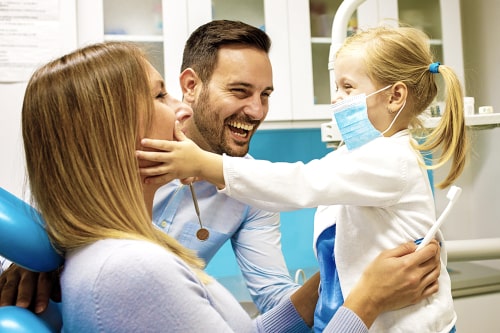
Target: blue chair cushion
{"x": 14, "y": 319}
{"x": 23, "y": 239}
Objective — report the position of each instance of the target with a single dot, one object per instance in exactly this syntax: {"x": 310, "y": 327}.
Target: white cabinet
{"x": 183, "y": 17}
{"x": 300, "y": 33}
{"x": 269, "y": 15}
{"x": 140, "y": 22}
{"x": 310, "y": 42}
{"x": 164, "y": 26}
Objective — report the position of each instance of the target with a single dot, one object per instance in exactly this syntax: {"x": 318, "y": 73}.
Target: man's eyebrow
{"x": 247, "y": 85}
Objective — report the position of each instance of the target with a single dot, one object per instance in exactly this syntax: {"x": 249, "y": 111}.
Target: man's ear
{"x": 189, "y": 81}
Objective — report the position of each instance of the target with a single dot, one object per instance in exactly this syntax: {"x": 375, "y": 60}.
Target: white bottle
{"x": 469, "y": 106}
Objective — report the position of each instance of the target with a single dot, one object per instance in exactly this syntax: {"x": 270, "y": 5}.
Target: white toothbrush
{"x": 452, "y": 195}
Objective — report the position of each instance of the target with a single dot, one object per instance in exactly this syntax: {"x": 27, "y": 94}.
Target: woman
{"x": 83, "y": 118}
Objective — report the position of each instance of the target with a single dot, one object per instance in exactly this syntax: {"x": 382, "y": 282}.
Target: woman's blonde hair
{"x": 80, "y": 128}
{"x": 403, "y": 54}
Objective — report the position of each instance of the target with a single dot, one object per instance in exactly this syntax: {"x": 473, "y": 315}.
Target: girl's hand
{"x": 171, "y": 159}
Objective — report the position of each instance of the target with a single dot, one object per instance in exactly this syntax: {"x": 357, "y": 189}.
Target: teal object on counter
{"x": 23, "y": 238}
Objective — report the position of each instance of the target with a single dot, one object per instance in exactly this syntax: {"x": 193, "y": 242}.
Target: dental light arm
{"x": 339, "y": 33}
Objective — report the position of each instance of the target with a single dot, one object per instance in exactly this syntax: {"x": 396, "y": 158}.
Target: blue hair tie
{"x": 434, "y": 67}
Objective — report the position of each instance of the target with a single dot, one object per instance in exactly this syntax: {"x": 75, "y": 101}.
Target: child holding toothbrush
{"x": 372, "y": 193}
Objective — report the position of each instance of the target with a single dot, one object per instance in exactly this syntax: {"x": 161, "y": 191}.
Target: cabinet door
{"x": 162, "y": 27}
{"x": 137, "y": 21}
{"x": 440, "y": 20}
{"x": 310, "y": 24}
{"x": 140, "y": 22}
{"x": 310, "y": 27}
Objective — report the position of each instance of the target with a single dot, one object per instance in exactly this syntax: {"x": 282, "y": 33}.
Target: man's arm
{"x": 257, "y": 248}
{"x": 28, "y": 289}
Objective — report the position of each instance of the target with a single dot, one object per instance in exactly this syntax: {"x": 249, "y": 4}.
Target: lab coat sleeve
{"x": 372, "y": 175}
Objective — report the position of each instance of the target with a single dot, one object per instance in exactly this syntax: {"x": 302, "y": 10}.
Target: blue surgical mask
{"x": 351, "y": 116}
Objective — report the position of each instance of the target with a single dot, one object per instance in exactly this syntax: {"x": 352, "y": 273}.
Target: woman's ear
{"x": 189, "y": 81}
{"x": 399, "y": 93}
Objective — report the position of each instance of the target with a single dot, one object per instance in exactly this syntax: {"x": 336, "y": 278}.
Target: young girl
{"x": 373, "y": 192}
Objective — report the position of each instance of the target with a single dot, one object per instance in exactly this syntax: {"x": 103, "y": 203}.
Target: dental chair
{"x": 24, "y": 241}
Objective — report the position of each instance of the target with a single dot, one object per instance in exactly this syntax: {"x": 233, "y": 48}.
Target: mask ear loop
{"x": 396, "y": 117}
{"x": 376, "y": 92}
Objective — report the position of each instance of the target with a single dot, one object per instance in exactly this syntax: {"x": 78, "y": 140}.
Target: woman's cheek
{"x": 163, "y": 123}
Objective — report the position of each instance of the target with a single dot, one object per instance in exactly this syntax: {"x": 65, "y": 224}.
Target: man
{"x": 226, "y": 77}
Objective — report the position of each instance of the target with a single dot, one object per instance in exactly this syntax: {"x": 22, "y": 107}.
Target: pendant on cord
{"x": 202, "y": 234}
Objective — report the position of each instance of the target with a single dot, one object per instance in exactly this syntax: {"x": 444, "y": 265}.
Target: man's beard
{"x": 212, "y": 129}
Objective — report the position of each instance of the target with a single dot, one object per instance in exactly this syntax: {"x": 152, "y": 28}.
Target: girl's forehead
{"x": 350, "y": 65}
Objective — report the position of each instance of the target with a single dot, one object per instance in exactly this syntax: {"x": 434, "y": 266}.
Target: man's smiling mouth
{"x": 240, "y": 129}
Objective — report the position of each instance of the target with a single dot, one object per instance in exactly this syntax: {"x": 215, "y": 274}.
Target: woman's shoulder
{"x": 112, "y": 257}
{"x": 126, "y": 283}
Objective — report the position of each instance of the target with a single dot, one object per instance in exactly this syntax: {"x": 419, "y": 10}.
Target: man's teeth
{"x": 245, "y": 127}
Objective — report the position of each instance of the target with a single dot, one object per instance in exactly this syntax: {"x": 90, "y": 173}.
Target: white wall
{"x": 12, "y": 172}
{"x": 478, "y": 214}
{"x": 11, "y": 165}
{"x": 482, "y": 54}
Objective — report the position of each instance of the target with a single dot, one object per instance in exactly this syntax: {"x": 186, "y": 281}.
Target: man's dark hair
{"x": 201, "y": 49}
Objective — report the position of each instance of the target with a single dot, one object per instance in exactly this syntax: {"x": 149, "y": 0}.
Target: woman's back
{"x": 131, "y": 286}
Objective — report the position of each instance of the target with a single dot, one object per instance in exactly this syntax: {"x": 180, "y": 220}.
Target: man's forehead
{"x": 244, "y": 70}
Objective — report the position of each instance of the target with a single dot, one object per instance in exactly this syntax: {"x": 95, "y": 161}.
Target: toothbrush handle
{"x": 453, "y": 195}
{"x": 432, "y": 231}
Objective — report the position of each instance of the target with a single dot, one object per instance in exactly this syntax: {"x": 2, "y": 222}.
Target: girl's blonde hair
{"x": 403, "y": 54}
{"x": 80, "y": 128}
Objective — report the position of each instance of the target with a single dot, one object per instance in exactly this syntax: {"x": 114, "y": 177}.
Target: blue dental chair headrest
{"x": 24, "y": 241}
{"x": 23, "y": 237}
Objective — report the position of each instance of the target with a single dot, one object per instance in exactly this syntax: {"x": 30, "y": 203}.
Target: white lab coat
{"x": 379, "y": 196}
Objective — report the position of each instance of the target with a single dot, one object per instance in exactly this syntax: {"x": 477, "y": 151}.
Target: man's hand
{"x": 395, "y": 279}
{"x": 28, "y": 289}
